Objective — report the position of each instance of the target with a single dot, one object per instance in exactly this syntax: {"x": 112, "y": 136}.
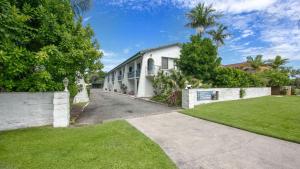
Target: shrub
{"x": 124, "y": 88}
{"x": 297, "y": 91}
{"x": 297, "y": 82}
{"x": 242, "y": 93}
{"x": 159, "y": 98}
{"x": 275, "y": 78}
{"x": 230, "y": 77}
{"x": 167, "y": 88}
{"x": 175, "y": 98}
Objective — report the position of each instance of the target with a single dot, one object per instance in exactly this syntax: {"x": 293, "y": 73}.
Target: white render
{"x": 61, "y": 109}
{"x": 189, "y": 96}
{"x": 25, "y": 109}
{"x": 141, "y": 85}
{"x": 81, "y": 96}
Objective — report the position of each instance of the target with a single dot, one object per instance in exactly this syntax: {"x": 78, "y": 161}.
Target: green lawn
{"x": 273, "y": 116}
{"x": 110, "y": 145}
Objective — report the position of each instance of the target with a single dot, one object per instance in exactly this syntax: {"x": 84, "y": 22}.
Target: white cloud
{"x": 87, "y": 19}
{"x": 232, "y": 6}
{"x": 109, "y": 59}
{"x": 108, "y": 53}
{"x": 271, "y": 25}
{"x": 274, "y": 30}
{"x": 247, "y": 32}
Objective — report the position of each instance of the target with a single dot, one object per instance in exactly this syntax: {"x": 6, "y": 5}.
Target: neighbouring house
{"x": 134, "y": 76}
{"x": 245, "y": 66}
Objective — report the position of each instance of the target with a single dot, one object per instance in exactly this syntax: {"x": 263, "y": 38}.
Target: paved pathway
{"x": 195, "y": 143}
{"x": 108, "y": 106}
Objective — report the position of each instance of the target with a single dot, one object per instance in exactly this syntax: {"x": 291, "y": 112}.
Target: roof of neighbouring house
{"x": 142, "y": 52}
{"x": 238, "y": 65}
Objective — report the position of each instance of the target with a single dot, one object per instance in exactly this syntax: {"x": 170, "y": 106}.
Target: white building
{"x": 134, "y": 76}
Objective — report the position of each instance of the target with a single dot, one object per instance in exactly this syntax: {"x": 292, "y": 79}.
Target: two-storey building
{"x": 134, "y": 76}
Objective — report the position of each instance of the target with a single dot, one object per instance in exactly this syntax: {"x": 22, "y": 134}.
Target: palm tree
{"x": 202, "y": 17}
{"x": 219, "y": 35}
{"x": 80, "y": 6}
{"x": 256, "y": 62}
{"x": 277, "y": 62}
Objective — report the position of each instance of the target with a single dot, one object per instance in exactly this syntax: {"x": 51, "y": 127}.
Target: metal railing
{"x": 152, "y": 71}
{"x": 130, "y": 75}
{"x": 137, "y": 73}
{"x": 120, "y": 77}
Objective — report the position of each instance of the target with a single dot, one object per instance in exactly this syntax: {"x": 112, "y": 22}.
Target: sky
{"x": 267, "y": 27}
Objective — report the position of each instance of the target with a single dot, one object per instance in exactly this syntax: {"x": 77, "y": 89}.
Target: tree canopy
{"x": 199, "y": 58}
{"x": 255, "y": 62}
{"x": 277, "y": 62}
{"x": 41, "y": 44}
{"x": 202, "y": 17}
{"x": 231, "y": 77}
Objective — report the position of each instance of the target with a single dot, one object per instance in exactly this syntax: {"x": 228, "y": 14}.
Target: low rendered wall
{"x": 192, "y": 97}
{"x": 21, "y": 110}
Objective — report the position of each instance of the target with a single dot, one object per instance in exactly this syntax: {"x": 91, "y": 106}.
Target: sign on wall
{"x": 207, "y": 95}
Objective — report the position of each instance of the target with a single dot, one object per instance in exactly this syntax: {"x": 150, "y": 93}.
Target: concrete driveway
{"x": 109, "y": 106}
{"x": 195, "y": 143}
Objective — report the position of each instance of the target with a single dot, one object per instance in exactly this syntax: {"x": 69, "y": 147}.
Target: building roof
{"x": 141, "y": 53}
{"x": 238, "y": 65}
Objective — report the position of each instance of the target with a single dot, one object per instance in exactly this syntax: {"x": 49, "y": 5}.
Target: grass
{"x": 111, "y": 145}
{"x": 272, "y": 116}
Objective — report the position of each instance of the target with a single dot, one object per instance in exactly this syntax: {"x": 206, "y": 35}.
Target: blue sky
{"x": 268, "y": 27}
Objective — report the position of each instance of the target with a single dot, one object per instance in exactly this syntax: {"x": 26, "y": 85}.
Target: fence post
{"x": 187, "y": 99}
{"x": 61, "y": 109}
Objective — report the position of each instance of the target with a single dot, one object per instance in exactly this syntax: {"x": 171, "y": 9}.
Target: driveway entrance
{"x": 109, "y": 106}
{"x": 198, "y": 144}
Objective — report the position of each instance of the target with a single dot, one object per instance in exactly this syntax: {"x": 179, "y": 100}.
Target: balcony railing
{"x": 152, "y": 71}
{"x": 137, "y": 73}
{"x": 120, "y": 77}
{"x": 130, "y": 75}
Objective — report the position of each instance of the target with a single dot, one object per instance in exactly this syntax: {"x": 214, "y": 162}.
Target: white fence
{"x": 192, "y": 97}
{"x": 21, "y": 110}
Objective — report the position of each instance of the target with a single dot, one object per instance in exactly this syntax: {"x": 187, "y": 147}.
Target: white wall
{"x": 146, "y": 87}
{"x": 189, "y": 96}
{"x": 21, "y": 110}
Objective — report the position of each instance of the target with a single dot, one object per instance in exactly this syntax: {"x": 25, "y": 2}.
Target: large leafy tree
{"x": 202, "y": 17}
{"x": 199, "y": 58}
{"x": 41, "y": 44}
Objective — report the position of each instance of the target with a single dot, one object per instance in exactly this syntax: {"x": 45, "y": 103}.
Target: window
{"x": 130, "y": 69}
{"x": 164, "y": 63}
{"x": 139, "y": 66}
